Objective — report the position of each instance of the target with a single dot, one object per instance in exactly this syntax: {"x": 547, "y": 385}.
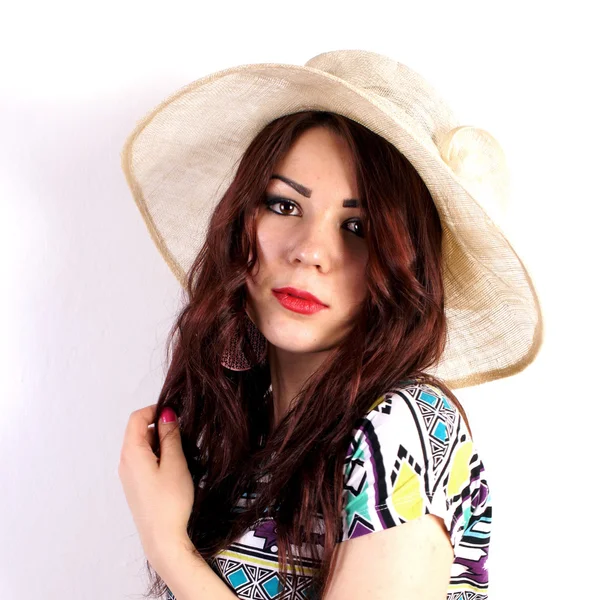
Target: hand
{"x": 160, "y": 495}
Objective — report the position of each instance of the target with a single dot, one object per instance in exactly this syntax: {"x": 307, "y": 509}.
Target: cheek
{"x": 356, "y": 287}
{"x": 267, "y": 248}
{"x": 268, "y": 239}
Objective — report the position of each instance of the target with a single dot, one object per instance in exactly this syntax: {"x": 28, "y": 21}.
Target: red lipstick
{"x": 298, "y": 300}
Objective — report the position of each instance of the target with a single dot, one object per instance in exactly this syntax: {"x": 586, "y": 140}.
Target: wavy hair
{"x": 226, "y": 416}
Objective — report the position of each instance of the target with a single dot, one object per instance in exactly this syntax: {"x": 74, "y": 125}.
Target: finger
{"x": 171, "y": 451}
{"x": 137, "y": 432}
{"x": 136, "y": 451}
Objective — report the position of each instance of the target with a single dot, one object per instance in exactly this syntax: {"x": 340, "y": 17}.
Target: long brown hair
{"x": 225, "y": 416}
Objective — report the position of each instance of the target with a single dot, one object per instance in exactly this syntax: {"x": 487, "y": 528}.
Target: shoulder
{"x": 417, "y": 397}
{"x": 419, "y": 416}
{"x": 412, "y": 454}
{"x": 407, "y": 449}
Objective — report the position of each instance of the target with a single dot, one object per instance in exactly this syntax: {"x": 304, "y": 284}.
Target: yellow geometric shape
{"x": 378, "y": 401}
{"x": 406, "y": 496}
{"x": 459, "y": 469}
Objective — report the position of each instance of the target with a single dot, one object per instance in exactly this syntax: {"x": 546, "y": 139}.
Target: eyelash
{"x": 272, "y": 200}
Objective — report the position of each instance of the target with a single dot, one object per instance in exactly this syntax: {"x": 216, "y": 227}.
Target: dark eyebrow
{"x": 306, "y": 192}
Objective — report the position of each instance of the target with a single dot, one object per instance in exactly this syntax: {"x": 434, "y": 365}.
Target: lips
{"x": 290, "y": 299}
{"x": 299, "y": 294}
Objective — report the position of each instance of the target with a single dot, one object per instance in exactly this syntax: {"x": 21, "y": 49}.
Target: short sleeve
{"x": 412, "y": 455}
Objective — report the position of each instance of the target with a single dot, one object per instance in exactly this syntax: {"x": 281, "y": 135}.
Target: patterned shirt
{"x": 409, "y": 456}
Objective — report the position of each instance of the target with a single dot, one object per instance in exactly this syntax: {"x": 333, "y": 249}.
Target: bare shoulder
{"x": 411, "y": 561}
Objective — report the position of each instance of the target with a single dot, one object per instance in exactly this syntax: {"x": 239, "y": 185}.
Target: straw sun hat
{"x": 182, "y": 156}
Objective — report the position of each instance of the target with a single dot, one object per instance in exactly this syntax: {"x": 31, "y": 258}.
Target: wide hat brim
{"x": 182, "y": 156}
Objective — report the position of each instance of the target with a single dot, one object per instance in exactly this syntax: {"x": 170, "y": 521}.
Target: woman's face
{"x": 311, "y": 239}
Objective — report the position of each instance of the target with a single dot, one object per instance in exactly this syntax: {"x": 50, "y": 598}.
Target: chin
{"x": 295, "y": 337}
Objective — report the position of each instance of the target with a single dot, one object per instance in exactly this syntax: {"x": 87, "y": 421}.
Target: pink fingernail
{"x": 168, "y": 415}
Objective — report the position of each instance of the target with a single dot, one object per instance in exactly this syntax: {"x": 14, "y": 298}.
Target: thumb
{"x": 169, "y": 435}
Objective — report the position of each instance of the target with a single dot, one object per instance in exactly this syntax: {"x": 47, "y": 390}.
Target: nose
{"x": 314, "y": 245}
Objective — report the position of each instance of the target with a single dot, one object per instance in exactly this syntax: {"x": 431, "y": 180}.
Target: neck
{"x": 289, "y": 372}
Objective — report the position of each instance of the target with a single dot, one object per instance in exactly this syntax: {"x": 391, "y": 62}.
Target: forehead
{"x": 318, "y": 160}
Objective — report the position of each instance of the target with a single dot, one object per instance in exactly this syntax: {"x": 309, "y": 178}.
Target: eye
{"x": 360, "y": 232}
{"x": 275, "y": 201}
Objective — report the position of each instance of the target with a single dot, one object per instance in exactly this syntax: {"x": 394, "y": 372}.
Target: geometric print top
{"x": 410, "y": 455}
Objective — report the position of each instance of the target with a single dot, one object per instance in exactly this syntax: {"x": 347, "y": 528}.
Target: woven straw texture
{"x": 182, "y": 156}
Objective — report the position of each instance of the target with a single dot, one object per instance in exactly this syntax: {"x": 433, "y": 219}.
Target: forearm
{"x": 190, "y": 577}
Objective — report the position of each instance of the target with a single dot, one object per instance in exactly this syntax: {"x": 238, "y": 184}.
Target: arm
{"x": 190, "y": 577}
{"x": 411, "y": 561}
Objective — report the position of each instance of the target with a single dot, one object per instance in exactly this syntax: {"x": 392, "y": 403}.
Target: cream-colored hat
{"x": 182, "y": 156}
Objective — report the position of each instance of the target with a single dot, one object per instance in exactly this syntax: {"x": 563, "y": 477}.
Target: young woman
{"x": 341, "y": 279}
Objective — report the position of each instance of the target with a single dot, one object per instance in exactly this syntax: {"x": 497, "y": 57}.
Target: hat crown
{"x": 400, "y": 88}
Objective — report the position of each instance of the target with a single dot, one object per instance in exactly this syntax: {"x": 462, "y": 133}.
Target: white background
{"x": 87, "y": 300}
